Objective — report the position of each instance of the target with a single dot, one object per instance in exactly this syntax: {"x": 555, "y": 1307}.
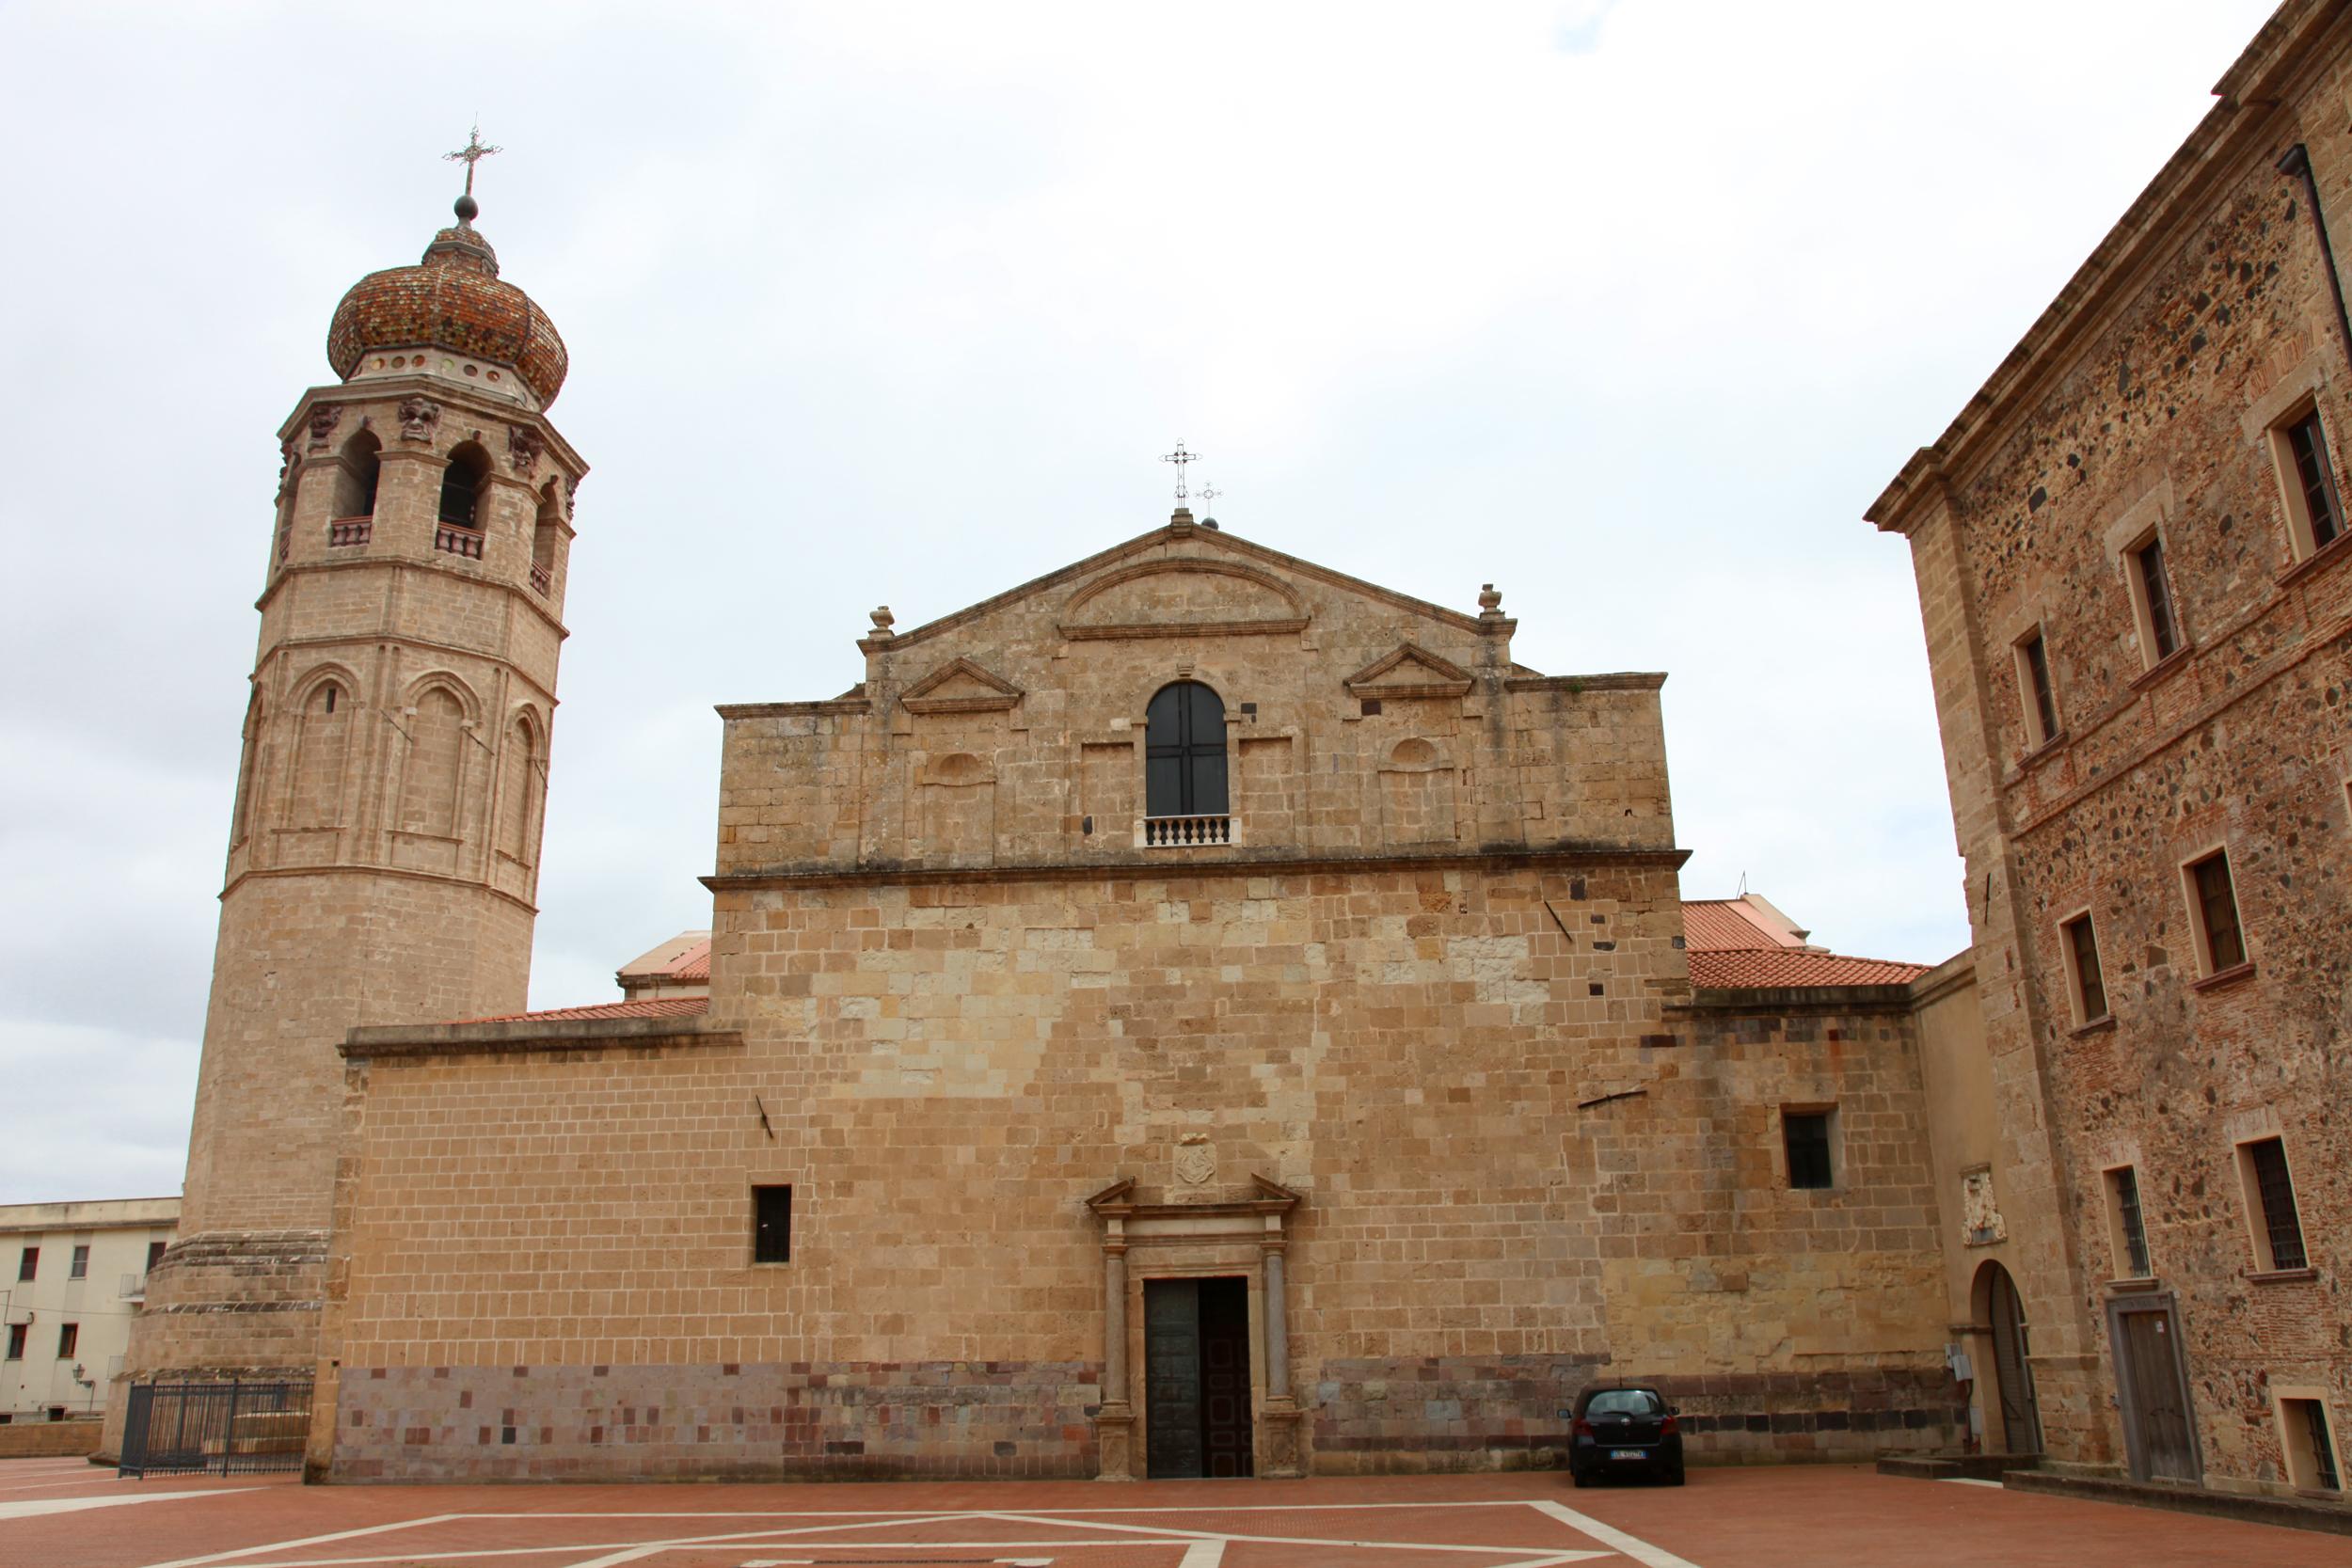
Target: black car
{"x": 1625, "y": 1429}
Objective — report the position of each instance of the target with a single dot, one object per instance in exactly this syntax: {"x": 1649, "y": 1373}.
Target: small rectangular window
{"x": 772, "y": 1224}
{"x": 2127, "y": 1228}
{"x": 2314, "y": 509}
{"x": 155, "y": 1254}
{"x": 1807, "y": 1135}
{"x": 2040, "y": 696}
{"x": 28, "y": 1261}
{"x": 2311, "y": 1449}
{"x": 2161, "y": 627}
{"x": 68, "y": 1336}
{"x": 2270, "y": 1200}
{"x": 2220, "y": 940}
{"x": 79, "y": 1267}
{"x": 16, "y": 1341}
{"x": 2082, "y": 964}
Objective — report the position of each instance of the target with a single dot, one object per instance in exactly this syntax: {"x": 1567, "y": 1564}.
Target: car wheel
{"x": 1674, "y": 1476}
{"x": 1582, "y": 1480}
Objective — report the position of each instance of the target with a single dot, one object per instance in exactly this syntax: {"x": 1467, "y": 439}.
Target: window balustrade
{"x": 1167, "y": 833}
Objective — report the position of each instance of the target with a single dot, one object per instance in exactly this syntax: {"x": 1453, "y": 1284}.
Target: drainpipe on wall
{"x": 2297, "y": 163}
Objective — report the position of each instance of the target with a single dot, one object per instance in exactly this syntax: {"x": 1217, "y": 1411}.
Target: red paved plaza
{"x": 60, "y": 1514}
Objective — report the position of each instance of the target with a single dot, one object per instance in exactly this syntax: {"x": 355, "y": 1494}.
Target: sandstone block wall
{"x": 948, "y": 1068}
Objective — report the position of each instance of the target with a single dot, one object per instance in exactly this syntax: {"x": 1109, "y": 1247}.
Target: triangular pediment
{"x": 1183, "y": 580}
{"x": 1411, "y": 670}
{"x": 961, "y": 685}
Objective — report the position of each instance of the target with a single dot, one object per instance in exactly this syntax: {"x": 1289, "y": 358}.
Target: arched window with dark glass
{"x": 461, "y": 486}
{"x": 1183, "y": 765}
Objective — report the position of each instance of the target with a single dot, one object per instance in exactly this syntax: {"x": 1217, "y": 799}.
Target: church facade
{"x": 1194, "y": 1013}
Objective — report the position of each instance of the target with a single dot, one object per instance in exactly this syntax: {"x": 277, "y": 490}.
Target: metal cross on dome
{"x": 1179, "y": 457}
{"x": 471, "y": 154}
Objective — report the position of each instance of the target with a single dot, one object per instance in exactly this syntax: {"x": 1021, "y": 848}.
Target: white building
{"x": 71, "y": 1278}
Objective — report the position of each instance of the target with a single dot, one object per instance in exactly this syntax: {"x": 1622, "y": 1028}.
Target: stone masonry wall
{"x": 946, "y": 1069}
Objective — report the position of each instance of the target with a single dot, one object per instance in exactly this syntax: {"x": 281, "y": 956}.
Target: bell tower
{"x": 384, "y": 848}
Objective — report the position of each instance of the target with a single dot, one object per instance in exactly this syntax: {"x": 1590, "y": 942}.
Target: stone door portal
{"x": 1196, "y": 1411}
{"x": 2157, "y": 1436}
{"x": 1207, "y": 1307}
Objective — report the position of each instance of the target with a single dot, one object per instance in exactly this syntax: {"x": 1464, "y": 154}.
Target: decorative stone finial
{"x": 882, "y": 619}
{"x": 1489, "y": 602}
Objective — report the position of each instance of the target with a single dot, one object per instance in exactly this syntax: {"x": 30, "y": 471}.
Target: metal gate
{"x": 223, "y": 1428}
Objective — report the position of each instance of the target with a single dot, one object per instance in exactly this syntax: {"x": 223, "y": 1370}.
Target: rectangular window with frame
{"x": 1808, "y": 1137}
{"x": 772, "y": 1224}
{"x": 2310, "y": 1448}
{"x": 69, "y": 1341}
{"x": 2220, "y": 939}
{"x": 2127, "y": 1230}
{"x": 26, "y": 1262}
{"x": 78, "y": 1268}
{"x": 2151, "y": 602}
{"x": 2269, "y": 1187}
{"x": 2306, "y": 473}
{"x": 16, "y": 1341}
{"x": 2082, "y": 968}
{"x": 156, "y": 1251}
{"x": 2036, "y": 689}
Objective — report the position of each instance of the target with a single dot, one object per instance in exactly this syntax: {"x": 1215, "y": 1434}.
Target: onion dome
{"x": 450, "y": 299}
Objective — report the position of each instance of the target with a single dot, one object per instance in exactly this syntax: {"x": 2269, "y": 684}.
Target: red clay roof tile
{"x": 1788, "y": 966}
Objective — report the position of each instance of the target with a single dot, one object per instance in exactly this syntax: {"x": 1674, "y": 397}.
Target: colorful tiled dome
{"x": 451, "y": 299}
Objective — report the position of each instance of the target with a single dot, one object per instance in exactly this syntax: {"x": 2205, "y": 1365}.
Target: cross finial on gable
{"x": 1179, "y": 457}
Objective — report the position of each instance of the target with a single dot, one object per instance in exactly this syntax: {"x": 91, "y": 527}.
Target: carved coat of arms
{"x": 1196, "y": 1159}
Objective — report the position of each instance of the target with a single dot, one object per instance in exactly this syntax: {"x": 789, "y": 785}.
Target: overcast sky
{"x": 1630, "y": 309}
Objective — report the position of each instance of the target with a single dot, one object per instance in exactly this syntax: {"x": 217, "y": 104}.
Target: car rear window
{"x": 1623, "y": 1402}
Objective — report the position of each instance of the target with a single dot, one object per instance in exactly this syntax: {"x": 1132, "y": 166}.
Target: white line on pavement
{"x": 320, "y": 1539}
{"x": 32, "y": 1507}
{"x": 1609, "y": 1535}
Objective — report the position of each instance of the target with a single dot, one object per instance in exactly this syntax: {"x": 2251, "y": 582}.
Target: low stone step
{"x": 2294, "y": 1512}
{"x": 1956, "y": 1466}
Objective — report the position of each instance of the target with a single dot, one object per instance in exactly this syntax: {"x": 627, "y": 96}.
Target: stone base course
{"x": 1383, "y": 1415}
{"x": 750, "y": 1421}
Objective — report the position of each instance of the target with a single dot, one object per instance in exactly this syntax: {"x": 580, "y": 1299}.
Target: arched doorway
{"x": 2003, "y": 1313}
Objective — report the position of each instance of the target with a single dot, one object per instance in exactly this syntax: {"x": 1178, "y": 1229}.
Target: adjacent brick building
{"x": 2131, "y": 563}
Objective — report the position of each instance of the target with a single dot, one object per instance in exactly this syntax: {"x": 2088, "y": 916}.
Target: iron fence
{"x": 221, "y": 1428}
